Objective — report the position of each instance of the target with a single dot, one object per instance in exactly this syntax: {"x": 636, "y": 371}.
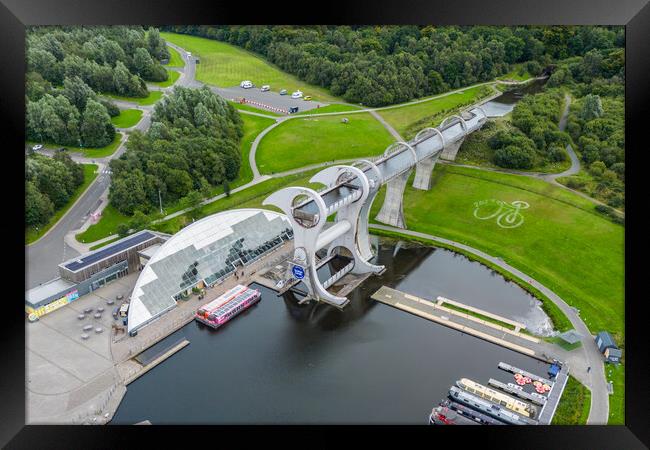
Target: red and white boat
{"x": 227, "y": 306}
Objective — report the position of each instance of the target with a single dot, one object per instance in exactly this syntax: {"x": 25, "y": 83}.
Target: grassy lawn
{"x": 226, "y": 65}
{"x": 173, "y": 76}
{"x": 106, "y": 226}
{"x": 253, "y": 125}
{"x": 127, "y": 118}
{"x": 574, "y": 405}
{"x": 330, "y": 109}
{"x": 563, "y": 243}
{"x": 616, "y": 374}
{"x": 175, "y": 59}
{"x": 32, "y": 235}
{"x": 408, "y": 120}
{"x": 150, "y": 99}
{"x": 300, "y": 142}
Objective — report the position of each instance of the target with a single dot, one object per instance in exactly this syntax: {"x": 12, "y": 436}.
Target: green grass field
{"x": 300, "y": 142}
{"x": 253, "y": 125}
{"x": 32, "y": 234}
{"x": 408, "y": 120}
{"x": 574, "y": 405}
{"x": 335, "y": 108}
{"x": 226, "y": 65}
{"x": 175, "y": 59}
{"x": 563, "y": 243}
{"x": 173, "y": 76}
{"x": 245, "y": 107}
{"x": 106, "y": 226}
{"x": 150, "y": 99}
{"x": 127, "y": 118}
{"x": 617, "y": 399}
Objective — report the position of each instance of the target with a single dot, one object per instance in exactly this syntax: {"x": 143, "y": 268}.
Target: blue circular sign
{"x": 298, "y": 272}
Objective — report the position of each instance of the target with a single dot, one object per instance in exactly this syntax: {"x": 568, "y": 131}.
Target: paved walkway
{"x": 579, "y": 360}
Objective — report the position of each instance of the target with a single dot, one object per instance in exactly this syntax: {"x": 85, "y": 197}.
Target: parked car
{"x": 265, "y": 88}
{"x": 293, "y": 109}
{"x": 296, "y": 94}
{"x": 307, "y": 97}
{"x": 283, "y": 92}
{"x": 246, "y": 84}
{"x": 37, "y": 147}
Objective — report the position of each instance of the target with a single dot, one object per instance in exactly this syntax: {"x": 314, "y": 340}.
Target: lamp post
{"x": 160, "y": 201}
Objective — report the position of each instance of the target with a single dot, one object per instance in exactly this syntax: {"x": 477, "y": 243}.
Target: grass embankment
{"x": 616, "y": 374}
{"x": 563, "y": 243}
{"x": 253, "y": 125}
{"x": 249, "y": 198}
{"x": 410, "y": 119}
{"x": 150, "y": 99}
{"x": 245, "y": 107}
{"x": 300, "y": 142}
{"x": 106, "y": 226}
{"x": 175, "y": 58}
{"x": 574, "y": 405}
{"x": 226, "y": 65}
{"x": 127, "y": 118}
{"x": 171, "y": 79}
{"x": 475, "y": 150}
{"x": 90, "y": 173}
{"x": 335, "y": 108}
{"x": 478, "y": 316}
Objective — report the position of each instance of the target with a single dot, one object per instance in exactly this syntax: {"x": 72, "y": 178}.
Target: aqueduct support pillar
{"x": 451, "y": 150}
{"x": 392, "y": 211}
{"x": 423, "y": 172}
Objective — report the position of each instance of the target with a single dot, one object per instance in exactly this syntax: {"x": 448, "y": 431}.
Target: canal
{"x": 281, "y": 362}
{"x": 504, "y": 103}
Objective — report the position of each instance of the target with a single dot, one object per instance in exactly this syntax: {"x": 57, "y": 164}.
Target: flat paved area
{"x": 268, "y": 98}
{"x": 70, "y": 379}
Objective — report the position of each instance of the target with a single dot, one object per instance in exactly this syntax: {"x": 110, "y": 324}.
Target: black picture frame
{"x": 634, "y": 14}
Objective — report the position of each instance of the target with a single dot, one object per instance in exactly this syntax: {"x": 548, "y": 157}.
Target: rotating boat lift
{"x": 348, "y": 196}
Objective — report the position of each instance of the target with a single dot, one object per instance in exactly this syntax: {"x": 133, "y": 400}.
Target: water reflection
{"x": 503, "y": 104}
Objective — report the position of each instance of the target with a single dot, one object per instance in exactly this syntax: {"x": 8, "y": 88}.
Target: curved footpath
{"x": 578, "y": 360}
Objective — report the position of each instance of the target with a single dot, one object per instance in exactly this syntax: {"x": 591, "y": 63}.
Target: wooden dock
{"x": 516, "y": 392}
{"x": 479, "y": 328}
{"x": 532, "y": 376}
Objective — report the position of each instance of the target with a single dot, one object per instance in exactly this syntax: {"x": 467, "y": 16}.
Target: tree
{"x": 514, "y": 157}
{"x": 96, "y": 127}
{"x": 123, "y": 229}
{"x": 226, "y": 188}
{"x": 38, "y": 207}
{"x": 78, "y": 92}
{"x": 592, "y": 107}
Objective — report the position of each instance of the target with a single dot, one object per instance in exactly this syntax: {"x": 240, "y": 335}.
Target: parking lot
{"x": 270, "y": 98}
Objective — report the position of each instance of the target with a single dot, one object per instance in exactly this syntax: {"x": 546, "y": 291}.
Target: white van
{"x": 297, "y": 94}
{"x": 247, "y": 84}
{"x": 265, "y": 88}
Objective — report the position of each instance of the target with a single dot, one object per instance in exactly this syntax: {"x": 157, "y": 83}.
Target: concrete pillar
{"x": 392, "y": 211}
{"x": 451, "y": 150}
{"x": 423, "y": 172}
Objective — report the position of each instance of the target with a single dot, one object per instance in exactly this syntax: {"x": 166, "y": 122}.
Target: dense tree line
{"x": 49, "y": 184}
{"x": 534, "y": 139}
{"x": 380, "y": 65}
{"x": 192, "y": 145}
{"x": 67, "y": 66}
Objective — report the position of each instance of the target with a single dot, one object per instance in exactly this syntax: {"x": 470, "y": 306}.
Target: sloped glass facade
{"x": 208, "y": 250}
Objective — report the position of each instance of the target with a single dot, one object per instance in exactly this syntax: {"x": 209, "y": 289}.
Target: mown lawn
{"x": 245, "y": 107}
{"x": 563, "y": 243}
{"x": 518, "y": 73}
{"x": 300, "y": 142}
{"x": 226, "y": 65}
{"x": 150, "y": 99}
{"x": 106, "y": 226}
{"x": 330, "y": 109}
{"x": 127, "y": 118}
{"x": 253, "y": 125}
{"x": 88, "y": 152}
{"x": 574, "y": 405}
{"x": 173, "y": 76}
{"x": 90, "y": 173}
{"x": 408, "y": 120}
{"x": 616, "y": 374}
{"x": 175, "y": 58}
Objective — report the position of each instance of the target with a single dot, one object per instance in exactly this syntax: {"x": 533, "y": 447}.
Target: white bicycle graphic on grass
{"x": 508, "y": 214}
